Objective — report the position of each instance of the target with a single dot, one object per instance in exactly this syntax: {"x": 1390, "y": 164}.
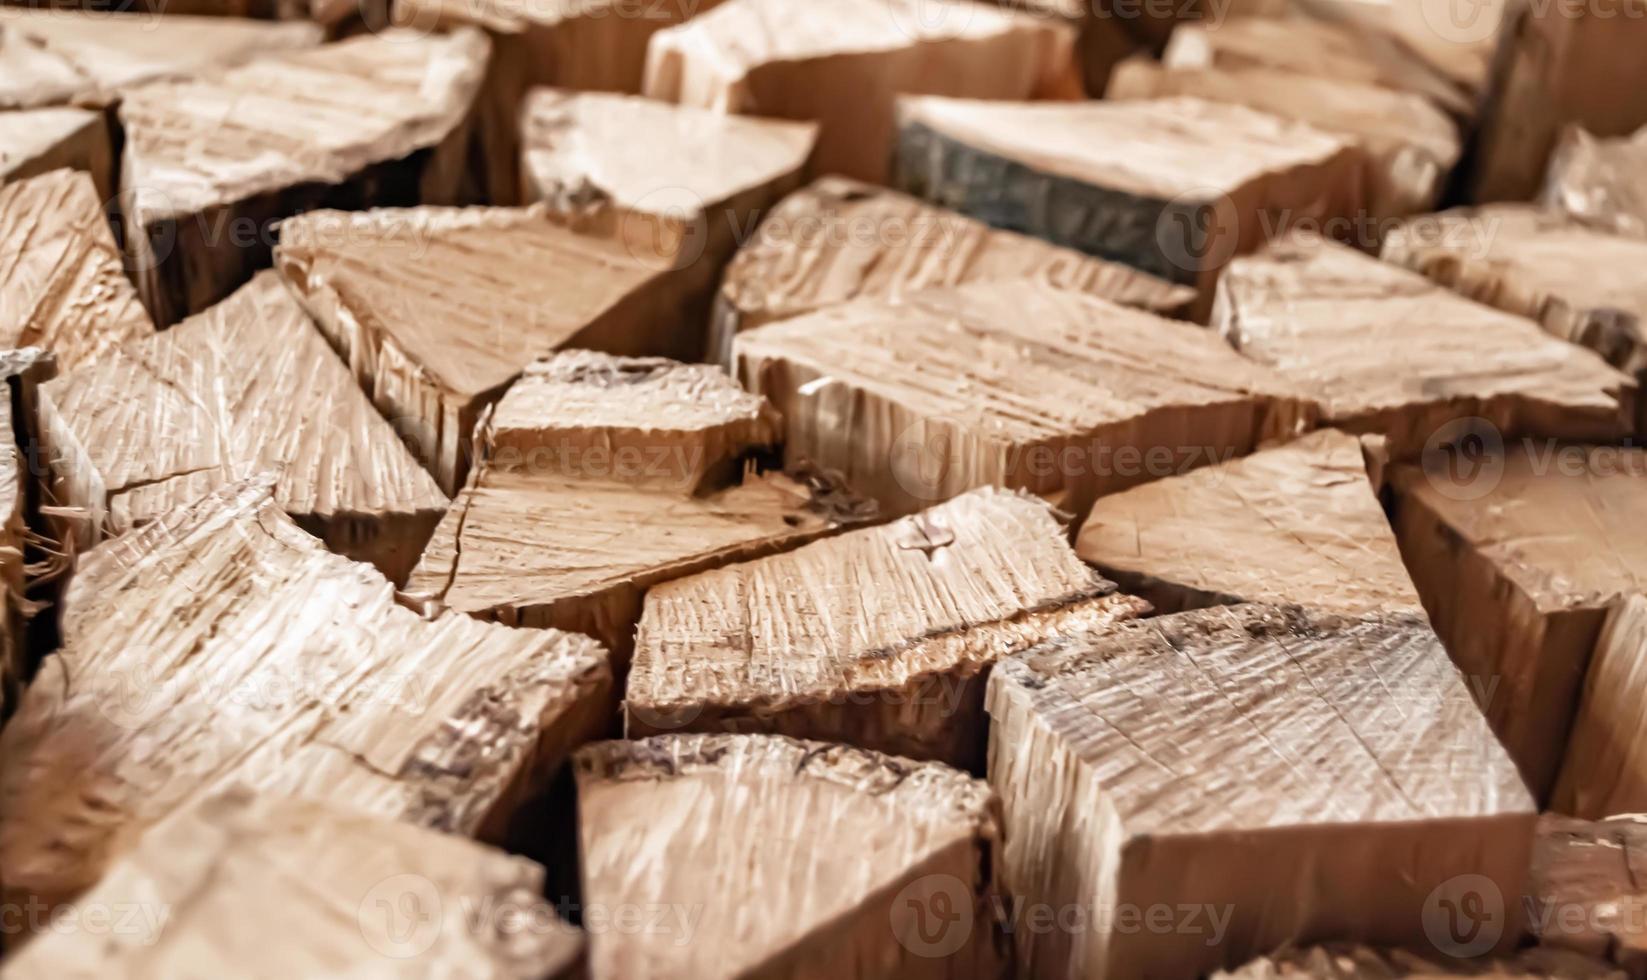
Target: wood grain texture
{"x": 1387, "y": 351}
{"x": 247, "y": 386}
{"x": 1586, "y": 889}
{"x": 1298, "y": 523}
{"x": 347, "y": 893}
{"x": 22, "y": 372}
{"x": 845, "y": 63}
{"x": 1605, "y": 771}
{"x": 37, "y": 141}
{"x": 798, "y": 859}
{"x": 1601, "y": 182}
{"x": 1011, "y": 384}
{"x": 220, "y": 644}
{"x": 1343, "y": 961}
{"x": 212, "y": 162}
{"x": 1313, "y": 776}
{"x": 839, "y": 240}
{"x": 803, "y": 644}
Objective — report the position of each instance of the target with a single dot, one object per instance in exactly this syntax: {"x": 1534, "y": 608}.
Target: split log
{"x": 1387, "y": 351}
{"x": 845, "y": 63}
{"x": 839, "y": 240}
{"x": 65, "y": 288}
{"x": 1606, "y": 767}
{"x": 221, "y": 645}
{"x": 1518, "y": 555}
{"x": 1586, "y": 889}
{"x": 1601, "y": 182}
{"x": 791, "y": 645}
{"x": 22, "y": 371}
{"x": 775, "y": 857}
{"x": 247, "y": 386}
{"x": 1308, "y": 776}
{"x": 1298, "y": 523}
{"x": 1072, "y": 174}
{"x": 1342, "y": 961}
{"x": 211, "y": 163}
{"x": 245, "y": 883}
{"x": 34, "y": 142}
{"x": 1010, "y": 384}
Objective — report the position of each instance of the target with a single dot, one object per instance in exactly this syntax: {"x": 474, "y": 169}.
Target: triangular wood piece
{"x": 839, "y": 240}
{"x": 21, "y": 372}
{"x": 1174, "y": 187}
{"x": 1012, "y": 384}
{"x": 37, "y": 141}
{"x": 346, "y": 894}
{"x": 1388, "y": 352}
{"x": 1299, "y": 523}
{"x": 791, "y": 645}
{"x": 1343, "y": 961}
{"x": 776, "y": 857}
{"x": 844, "y": 64}
{"x": 211, "y": 163}
{"x": 221, "y": 645}
{"x": 1606, "y": 768}
{"x": 1292, "y": 776}
{"x": 1601, "y": 182}
{"x": 247, "y": 386}
{"x": 1587, "y": 888}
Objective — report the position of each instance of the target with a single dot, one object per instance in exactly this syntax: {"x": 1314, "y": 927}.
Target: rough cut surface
{"x": 1518, "y": 558}
{"x": 1601, "y": 182}
{"x": 350, "y": 895}
{"x": 802, "y": 644}
{"x": 211, "y": 162}
{"x": 1587, "y": 888}
{"x": 839, "y": 240}
{"x": 844, "y": 64}
{"x": 65, "y": 289}
{"x": 1012, "y": 384}
{"x": 1606, "y": 768}
{"x": 21, "y": 371}
{"x": 38, "y": 141}
{"x": 1299, "y": 523}
{"x": 1306, "y": 775}
{"x": 1387, "y": 351}
{"x": 222, "y": 645}
{"x": 247, "y": 386}
{"x": 784, "y": 858}
{"x": 1342, "y": 961}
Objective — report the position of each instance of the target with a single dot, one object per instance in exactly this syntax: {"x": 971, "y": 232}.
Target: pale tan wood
{"x": 772, "y": 857}
{"x": 1342, "y": 961}
{"x": 880, "y": 637}
{"x": 1386, "y": 351}
{"x": 838, "y": 240}
{"x": 1297, "y": 523}
{"x": 1605, "y": 771}
{"x": 37, "y": 141}
{"x": 220, "y": 644}
{"x": 1012, "y": 384}
{"x": 212, "y": 162}
{"x": 247, "y": 386}
{"x": 22, "y": 372}
{"x": 1458, "y": 41}
{"x": 1518, "y": 559}
{"x": 1601, "y": 182}
{"x": 1586, "y": 888}
{"x": 246, "y": 884}
{"x": 1307, "y": 775}
{"x": 845, "y": 63}
{"x": 1102, "y": 39}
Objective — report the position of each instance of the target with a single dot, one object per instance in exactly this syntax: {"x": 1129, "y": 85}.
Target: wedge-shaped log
{"x": 1387, "y": 351}
{"x": 1518, "y": 556}
{"x": 1012, "y": 384}
{"x": 1077, "y": 174}
{"x": 65, "y": 289}
{"x": 1601, "y": 182}
{"x": 1344, "y": 961}
{"x": 37, "y": 141}
{"x": 1298, "y": 523}
{"x": 766, "y": 856}
{"x": 211, "y": 163}
{"x": 1586, "y": 892}
{"x": 838, "y": 240}
{"x": 222, "y": 644}
{"x": 891, "y": 655}
{"x": 300, "y": 888}
{"x": 1301, "y": 774}
{"x": 21, "y": 371}
{"x": 845, "y": 63}
{"x": 1606, "y": 767}
{"x": 247, "y": 386}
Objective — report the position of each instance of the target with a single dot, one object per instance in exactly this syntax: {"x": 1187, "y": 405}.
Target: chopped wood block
{"x": 211, "y": 163}
{"x": 1518, "y": 556}
{"x": 1342, "y": 961}
{"x": 1302, "y": 775}
{"x": 880, "y": 637}
{"x": 255, "y": 884}
{"x": 221, "y": 645}
{"x": 1387, "y": 351}
{"x": 1129, "y": 181}
{"x": 37, "y": 141}
{"x": 838, "y": 240}
{"x": 1457, "y": 41}
{"x": 844, "y": 64}
{"x": 65, "y": 289}
{"x": 1102, "y": 39}
{"x": 1586, "y": 891}
{"x": 1601, "y": 182}
{"x": 1411, "y": 145}
{"x": 1606, "y": 768}
{"x": 792, "y": 859}
{"x": 1012, "y": 384}
{"x": 22, "y": 371}
{"x": 247, "y": 386}
{"x": 437, "y": 310}
{"x": 1298, "y": 523}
